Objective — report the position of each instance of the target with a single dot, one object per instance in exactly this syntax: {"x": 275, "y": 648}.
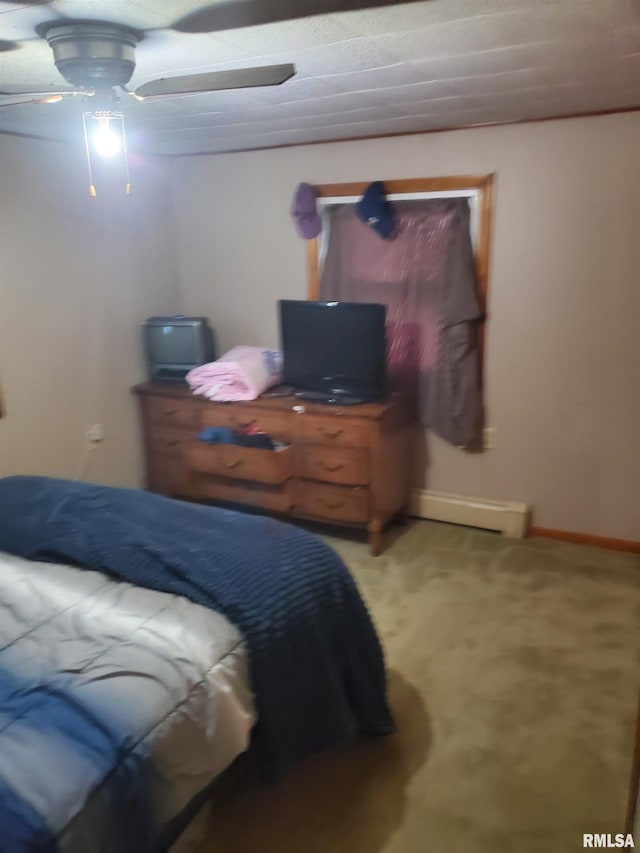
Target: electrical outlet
{"x": 95, "y": 434}
{"x": 489, "y": 438}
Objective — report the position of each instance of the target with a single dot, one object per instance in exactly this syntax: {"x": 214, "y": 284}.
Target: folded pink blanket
{"x": 242, "y": 373}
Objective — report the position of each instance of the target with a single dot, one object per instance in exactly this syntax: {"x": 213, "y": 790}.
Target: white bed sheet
{"x": 174, "y": 673}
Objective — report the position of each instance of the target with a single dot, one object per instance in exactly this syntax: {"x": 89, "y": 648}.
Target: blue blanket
{"x": 315, "y": 661}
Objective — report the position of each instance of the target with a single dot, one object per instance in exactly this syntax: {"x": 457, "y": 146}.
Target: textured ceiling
{"x": 413, "y": 67}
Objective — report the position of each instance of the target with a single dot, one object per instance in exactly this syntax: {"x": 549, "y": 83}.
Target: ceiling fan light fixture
{"x": 105, "y": 141}
{"x": 104, "y": 135}
{"x": 93, "y": 54}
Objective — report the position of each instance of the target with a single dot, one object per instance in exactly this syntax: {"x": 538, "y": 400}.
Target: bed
{"x": 145, "y": 643}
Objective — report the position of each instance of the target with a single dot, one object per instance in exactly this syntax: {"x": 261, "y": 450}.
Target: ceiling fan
{"x": 98, "y": 57}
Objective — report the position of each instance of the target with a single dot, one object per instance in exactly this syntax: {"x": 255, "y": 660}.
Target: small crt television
{"x": 175, "y": 345}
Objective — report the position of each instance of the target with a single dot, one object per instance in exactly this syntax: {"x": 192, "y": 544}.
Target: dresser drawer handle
{"x": 332, "y": 504}
{"x": 172, "y": 442}
{"x": 331, "y": 433}
{"x": 169, "y": 412}
{"x": 234, "y": 464}
{"x": 331, "y": 468}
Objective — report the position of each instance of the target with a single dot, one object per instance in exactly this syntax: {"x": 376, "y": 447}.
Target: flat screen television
{"x": 175, "y": 345}
{"x": 334, "y": 352}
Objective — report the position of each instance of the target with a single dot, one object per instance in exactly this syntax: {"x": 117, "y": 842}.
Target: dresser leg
{"x": 374, "y": 529}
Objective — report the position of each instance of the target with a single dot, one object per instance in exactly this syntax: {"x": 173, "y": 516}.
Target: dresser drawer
{"x": 204, "y": 487}
{"x": 333, "y": 464}
{"x": 168, "y": 441}
{"x": 167, "y": 475}
{"x": 338, "y": 432}
{"x": 167, "y": 411}
{"x": 276, "y": 424}
{"x": 338, "y": 503}
{"x": 241, "y": 463}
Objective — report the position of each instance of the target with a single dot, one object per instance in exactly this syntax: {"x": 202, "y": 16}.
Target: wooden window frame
{"x": 483, "y": 184}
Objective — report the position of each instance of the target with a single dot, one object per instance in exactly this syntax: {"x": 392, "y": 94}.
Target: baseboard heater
{"x": 509, "y": 517}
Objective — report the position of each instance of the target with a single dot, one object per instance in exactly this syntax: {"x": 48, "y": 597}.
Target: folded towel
{"x": 242, "y": 373}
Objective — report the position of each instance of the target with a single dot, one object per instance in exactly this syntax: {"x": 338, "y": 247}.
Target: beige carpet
{"x": 514, "y": 674}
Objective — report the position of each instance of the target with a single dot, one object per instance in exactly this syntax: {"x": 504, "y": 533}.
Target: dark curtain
{"x": 425, "y": 275}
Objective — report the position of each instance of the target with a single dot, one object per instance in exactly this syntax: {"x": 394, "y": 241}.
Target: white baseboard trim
{"x": 509, "y": 517}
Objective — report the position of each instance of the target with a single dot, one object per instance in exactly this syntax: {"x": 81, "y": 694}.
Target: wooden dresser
{"x": 343, "y": 465}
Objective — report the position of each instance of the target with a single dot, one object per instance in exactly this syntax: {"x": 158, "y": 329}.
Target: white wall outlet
{"x": 95, "y": 434}
{"x": 489, "y": 438}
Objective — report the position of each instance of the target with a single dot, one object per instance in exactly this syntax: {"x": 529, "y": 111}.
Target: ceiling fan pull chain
{"x": 92, "y": 188}
{"x": 127, "y": 188}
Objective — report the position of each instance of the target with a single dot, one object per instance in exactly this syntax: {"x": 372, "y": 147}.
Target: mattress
{"x": 166, "y": 678}
{"x": 316, "y": 663}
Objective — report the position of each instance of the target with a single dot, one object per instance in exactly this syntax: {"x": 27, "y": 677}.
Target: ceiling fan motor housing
{"x": 93, "y": 54}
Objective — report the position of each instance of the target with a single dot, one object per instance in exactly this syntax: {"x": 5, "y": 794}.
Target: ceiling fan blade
{"x": 233, "y": 14}
{"x": 6, "y": 46}
{"x": 11, "y": 99}
{"x": 239, "y": 78}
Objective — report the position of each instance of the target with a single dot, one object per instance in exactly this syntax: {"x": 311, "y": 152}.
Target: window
{"x": 432, "y": 276}
{"x": 479, "y": 190}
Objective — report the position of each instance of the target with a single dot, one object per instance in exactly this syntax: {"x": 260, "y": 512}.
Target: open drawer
{"x": 239, "y": 416}
{"x": 240, "y": 463}
{"x": 207, "y": 487}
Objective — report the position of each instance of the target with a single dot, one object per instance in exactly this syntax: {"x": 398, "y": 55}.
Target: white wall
{"x": 77, "y": 275}
{"x": 563, "y": 359}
